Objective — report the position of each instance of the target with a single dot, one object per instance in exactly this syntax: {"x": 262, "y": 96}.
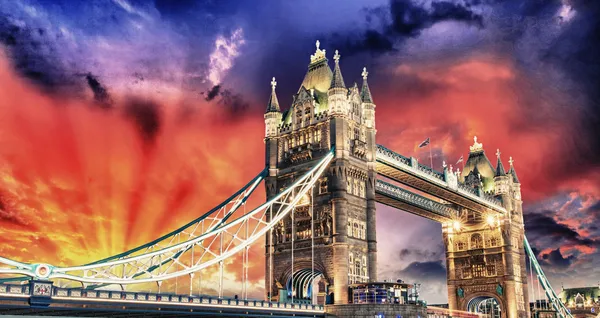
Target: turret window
{"x": 323, "y": 186}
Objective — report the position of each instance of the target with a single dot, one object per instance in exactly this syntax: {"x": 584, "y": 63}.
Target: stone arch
{"x": 478, "y": 297}
{"x": 286, "y": 275}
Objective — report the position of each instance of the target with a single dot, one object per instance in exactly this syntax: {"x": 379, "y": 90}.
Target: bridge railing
{"x": 412, "y": 198}
{"x": 141, "y": 297}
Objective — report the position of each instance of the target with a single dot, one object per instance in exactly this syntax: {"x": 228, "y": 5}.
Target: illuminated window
{"x": 478, "y": 270}
{"x": 460, "y": 246}
{"x": 494, "y": 241}
{"x": 466, "y": 273}
{"x": 318, "y": 136}
{"x": 356, "y": 233}
{"x": 299, "y": 118}
{"x": 355, "y": 191}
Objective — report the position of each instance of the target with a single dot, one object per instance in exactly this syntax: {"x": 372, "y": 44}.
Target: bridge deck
{"x": 17, "y": 300}
{"x": 408, "y": 201}
{"x": 409, "y": 172}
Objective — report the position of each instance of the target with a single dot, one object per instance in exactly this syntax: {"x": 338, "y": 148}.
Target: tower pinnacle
{"x": 319, "y": 54}
{"x": 499, "y": 167}
{"x": 365, "y": 93}
{"x": 273, "y": 105}
{"x": 337, "y": 81}
{"x": 512, "y": 171}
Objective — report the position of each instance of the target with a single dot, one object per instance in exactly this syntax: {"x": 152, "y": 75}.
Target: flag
{"x": 424, "y": 143}
{"x": 460, "y": 160}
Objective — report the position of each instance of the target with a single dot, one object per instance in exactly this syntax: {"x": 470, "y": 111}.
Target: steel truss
{"x": 210, "y": 239}
{"x": 557, "y": 304}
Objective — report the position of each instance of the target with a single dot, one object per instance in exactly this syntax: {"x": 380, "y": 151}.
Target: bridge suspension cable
{"x": 165, "y": 258}
{"x": 550, "y": 295}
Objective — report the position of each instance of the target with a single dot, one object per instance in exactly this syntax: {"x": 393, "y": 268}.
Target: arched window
{"x": 349, "y": 185}
{"x": 357, "y": 267}
{"x": 355, "y": 233}
{"x": 307, "y": 117}
{"x": 350, "y": 227}
{"x": 362, "y": 189}
{"x": 579, "y": 301}
{"x": 355, "y": 191}
{"x": 299, "y": 118}
{"x": 476, "y": 241}
{"x": 364, "y": 266}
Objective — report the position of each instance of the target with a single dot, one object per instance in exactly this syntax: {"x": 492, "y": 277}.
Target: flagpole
{"x": 430, "y": 156}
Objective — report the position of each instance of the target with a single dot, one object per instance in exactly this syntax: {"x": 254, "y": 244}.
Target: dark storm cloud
{"x": 146, "y": 117}
{"x": 100, "y": 93}
{"x": 33, "y": 51}
{"x": 557, "y": 260}
{"x": 402, "y": 19}
{"x": 423, "y": 271}
{"x": 212, "y": 93}
{"x": 540, "y": 225}
{"x": 234, "y": 103}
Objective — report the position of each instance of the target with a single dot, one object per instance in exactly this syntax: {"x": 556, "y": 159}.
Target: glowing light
{"x": 491, "y": 220}
{"x": 456, "y": 225}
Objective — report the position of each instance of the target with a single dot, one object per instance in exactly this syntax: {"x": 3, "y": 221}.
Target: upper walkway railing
{"x": 444, "y": 179}
{"x": 398, "y": 193}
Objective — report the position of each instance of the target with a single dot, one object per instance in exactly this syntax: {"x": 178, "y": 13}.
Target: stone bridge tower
{"x": 485, "y": 253}
{"x": 324, "y": 113}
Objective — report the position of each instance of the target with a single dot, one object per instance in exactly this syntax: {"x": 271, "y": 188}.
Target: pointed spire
{"x": 365, "y": 93}
{"x": 499, "y": 167}
{"x": 512, "y": 171}
{"x": 273, "y": 105}
{"x": 337, "y": 81}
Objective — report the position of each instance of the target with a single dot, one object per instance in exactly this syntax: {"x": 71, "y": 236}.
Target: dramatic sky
{"x": 120, "y": 120}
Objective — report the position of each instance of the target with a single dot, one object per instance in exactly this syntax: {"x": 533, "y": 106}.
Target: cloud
{"x": 556, "y": 260}
{"x": 100, "y": 93}
{"x": 424, "y": 272}
{"x": 541, "y": 224}
{"x": 146, "y": 116}
{"x": 212, "y": 93}
{"x": 223, "y": 55}
{"x": 400, "y": 20}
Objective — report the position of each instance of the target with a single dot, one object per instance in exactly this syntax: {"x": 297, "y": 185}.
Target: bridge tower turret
{"x": 339, "y": 215}
{"x": 485, "y": 255}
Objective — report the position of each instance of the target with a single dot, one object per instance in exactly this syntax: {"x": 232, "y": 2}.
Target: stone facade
{"x": 485, "y": 256}
{"x": 339, "y": 214}
{"x": 375, "y": 310}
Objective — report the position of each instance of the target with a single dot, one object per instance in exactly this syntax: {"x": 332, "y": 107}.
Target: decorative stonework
{"x": 476, "y": 147}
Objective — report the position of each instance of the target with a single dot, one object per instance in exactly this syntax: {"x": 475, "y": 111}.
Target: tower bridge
{"x": 324, "y": 174}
